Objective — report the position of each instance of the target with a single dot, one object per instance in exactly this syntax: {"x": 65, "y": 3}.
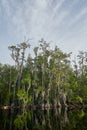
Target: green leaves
{"x": 78, "y": 98}
{"x": 22, "y": 95}
{"x": 43, "y": 77}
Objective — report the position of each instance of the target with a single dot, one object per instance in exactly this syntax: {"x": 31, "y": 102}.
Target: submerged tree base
{"x": 70, "y": 106}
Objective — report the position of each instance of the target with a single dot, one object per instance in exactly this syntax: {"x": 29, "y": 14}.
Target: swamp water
{"x": 50, "y": 119}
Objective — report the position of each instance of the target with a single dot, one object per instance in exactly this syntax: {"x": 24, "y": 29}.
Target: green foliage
{"x": 22, "y": 95}
{"x": 26, "y": 79}
{"x": 81, "y": 114}
{"x": 78, "y": 98}
{"x": 44, "y": 78}
{"x": 19, "y": 122}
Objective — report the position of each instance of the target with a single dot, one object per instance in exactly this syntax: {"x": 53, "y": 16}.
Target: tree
{"x": 18, "y": 55}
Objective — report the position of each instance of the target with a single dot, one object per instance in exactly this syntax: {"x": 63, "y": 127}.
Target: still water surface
{"x": 53, "y": 119}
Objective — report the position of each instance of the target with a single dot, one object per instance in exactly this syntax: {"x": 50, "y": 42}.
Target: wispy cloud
{"x": 76, "y": 25}
{"x": 79, "y": 16}
{"x": 57, "y": 7}
{"x": 61, "y": 21}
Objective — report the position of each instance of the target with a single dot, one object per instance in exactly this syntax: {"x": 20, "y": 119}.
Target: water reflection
{"x": 50, "y": 119}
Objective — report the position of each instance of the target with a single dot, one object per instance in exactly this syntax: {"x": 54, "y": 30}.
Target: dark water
{"x": 55, "y": 119}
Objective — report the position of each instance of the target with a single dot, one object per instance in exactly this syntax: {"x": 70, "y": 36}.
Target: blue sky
{"x": 60, "y": 22}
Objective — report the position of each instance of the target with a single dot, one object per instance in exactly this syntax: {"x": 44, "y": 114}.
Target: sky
{"x": 59, "y": 22}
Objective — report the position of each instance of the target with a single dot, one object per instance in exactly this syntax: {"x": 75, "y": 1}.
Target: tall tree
{"x": 18, "y": 55}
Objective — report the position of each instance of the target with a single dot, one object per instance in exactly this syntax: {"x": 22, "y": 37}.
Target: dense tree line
{"x": 46, "y": 79}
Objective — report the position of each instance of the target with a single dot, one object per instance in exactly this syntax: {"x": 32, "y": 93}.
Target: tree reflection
{"x": 50, "y": 119}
